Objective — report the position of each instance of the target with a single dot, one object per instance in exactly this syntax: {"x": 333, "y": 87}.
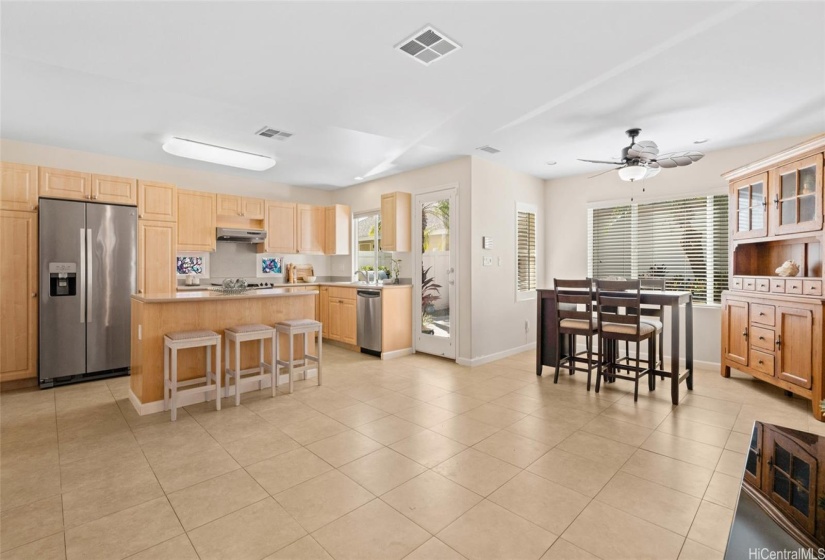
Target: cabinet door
{"x": 748, "y": 207}
{"x": 334, "y": 319}
{"x": 735, "y": 331}
{"x": 311, "y": 221}
{"x": 157, "y": 251}
{"x": 794, "y": 345}
{"x": 115, "y": 190}
{"x": 18, "y": 295}
{"x": 388, "y": 222}
{"x": 230, "y": 205}
{"x": 323, "y": 306}
{"x": 349, "y": 322}
{"x": 797, "y": 196}
{"x": 753, "y": 462}
{"x": 157, "y": 201}
{"x": 253, "y": 208}
{"x": 18, "y": 187}
{"x": 280, "y": 227}
{"x": 60, "y": 183}
{"x": 395, "y": 222}
{"x": 790, "y": 479}
{"x": 196, "y": 221}
{"x": 337, "y": 230}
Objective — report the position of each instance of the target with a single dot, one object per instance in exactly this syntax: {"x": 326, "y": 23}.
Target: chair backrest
{"x": 574, "y": 299}
{"x": 653, "y": 284}
{"x": 618, "y": 301}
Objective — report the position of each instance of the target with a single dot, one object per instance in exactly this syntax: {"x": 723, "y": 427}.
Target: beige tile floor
{"x": 411, "y": 458}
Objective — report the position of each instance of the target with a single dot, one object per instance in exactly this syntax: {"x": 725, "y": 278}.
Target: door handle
{"x": 90, "y": 281}
{"x": 82, "y": 275}
{"x": 745, "y": 333}
{"x": 776, "y": 201}
{"x": 778, "y": 341}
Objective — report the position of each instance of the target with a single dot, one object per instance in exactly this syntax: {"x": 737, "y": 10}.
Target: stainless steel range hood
{"x": 241, "y": 235}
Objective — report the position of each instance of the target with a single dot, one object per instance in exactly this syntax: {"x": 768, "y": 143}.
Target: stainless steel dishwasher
{"x": 369, "y": 321}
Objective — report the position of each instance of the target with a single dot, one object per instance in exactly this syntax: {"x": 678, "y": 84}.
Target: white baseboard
{"x": 481, "y": 360}
{"x": 396, "y": 353}
{"x": 185, "y": 399}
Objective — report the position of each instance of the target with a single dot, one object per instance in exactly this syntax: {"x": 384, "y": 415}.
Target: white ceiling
{"x": 538, "y": 80}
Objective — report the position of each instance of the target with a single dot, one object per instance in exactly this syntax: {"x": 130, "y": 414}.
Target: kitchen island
{"x": 154, "y": 315}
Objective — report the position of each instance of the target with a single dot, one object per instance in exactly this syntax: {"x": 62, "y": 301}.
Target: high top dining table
{"x": 549, "y": 341}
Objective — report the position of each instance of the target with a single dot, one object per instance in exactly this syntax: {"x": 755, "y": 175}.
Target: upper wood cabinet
{"x": 18, "y": 187}
{"x": 196, "y": 221}
{"x": 157, "y": 252}
{"x": 797, "y": 196}
{"x": 337, "y": 230}
{"x": 61, "y": 183}
{"x": 240, "y": 207}
{"x": 280, "y": 222}
{"x": 749, "y": 207}
{"x": 18, "y": 295}
{"x": 311, "y": 225}
{"x": 116, "y": 190}
{"x": 395, "y": 222}
{"x": 157, "y": 201}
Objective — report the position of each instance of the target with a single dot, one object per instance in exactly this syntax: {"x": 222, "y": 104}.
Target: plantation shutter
{"x": 526, "y": 268}
{"x": 684, "y": 241}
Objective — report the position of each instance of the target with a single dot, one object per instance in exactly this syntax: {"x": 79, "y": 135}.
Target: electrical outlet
{"x": 488, "y": 261}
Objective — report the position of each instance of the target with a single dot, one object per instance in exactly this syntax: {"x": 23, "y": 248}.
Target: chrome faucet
{"x": 362, "y": 274}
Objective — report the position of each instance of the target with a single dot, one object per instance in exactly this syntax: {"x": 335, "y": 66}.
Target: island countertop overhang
{"x": 213, "y": 295}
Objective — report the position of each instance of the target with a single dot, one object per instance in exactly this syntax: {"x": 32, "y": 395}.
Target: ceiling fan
{"x": 641, "y": 160}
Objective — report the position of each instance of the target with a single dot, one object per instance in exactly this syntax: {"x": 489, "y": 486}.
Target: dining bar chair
{"x": 574, "y": 317}
{"x": 653, "y": 315}
{"x": 618, "y": 308}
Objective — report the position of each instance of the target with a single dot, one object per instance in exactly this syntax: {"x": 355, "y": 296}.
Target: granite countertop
{"x": 211, "y": 295}
{"x": 203, "y": 287}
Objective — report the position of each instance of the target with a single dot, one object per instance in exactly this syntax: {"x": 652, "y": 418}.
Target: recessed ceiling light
{"x": 551, "y": 162}
{"x": 359, "y": 178}
{"x": 700, "y": 141}
{"x": 427, "y": 46}
{"x": 217, "y": 154}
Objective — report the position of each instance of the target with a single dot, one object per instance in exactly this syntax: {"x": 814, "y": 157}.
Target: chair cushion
{"x": 578, "y": 324}
{"x": 298, "y": 323}
{"x": 657, "y": 324}
{"x": 621, "y": 328}
{"x": 239, "y": 329}
{"x": 189, "y": 335}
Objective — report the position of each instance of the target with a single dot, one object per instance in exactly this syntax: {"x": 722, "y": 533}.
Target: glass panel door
{"x": 436, "y": 262}
{"x": 798, "y": 196}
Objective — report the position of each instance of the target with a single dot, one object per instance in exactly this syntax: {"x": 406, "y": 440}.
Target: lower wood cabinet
{"x": 342, "y": 316}
{"x": 323, "y": 309}
{"x": 778, "y": 340}
{"x": 157, "y": 253}
{"x": 18, "y": 295}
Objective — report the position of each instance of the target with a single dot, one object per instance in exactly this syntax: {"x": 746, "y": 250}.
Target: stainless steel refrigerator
{"x": 88, "y": 271}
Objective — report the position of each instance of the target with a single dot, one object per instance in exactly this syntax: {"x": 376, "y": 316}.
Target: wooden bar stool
{"x": 174, "y": 341}
{"x": 248, "y": 333}
{"x": 291, "y": 328}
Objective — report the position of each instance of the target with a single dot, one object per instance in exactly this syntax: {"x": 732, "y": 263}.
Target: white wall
{"x": 567, "y": 200}
{"x": 498, "y": 319}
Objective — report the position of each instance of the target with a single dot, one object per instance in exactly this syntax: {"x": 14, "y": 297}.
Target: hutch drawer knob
{"x": 761, "y": 338}
{"x": 34, "y": 294}
{"x": 761, "y": 363}
{"x": 745, "y": 332}
{"x": 761, "y": 313}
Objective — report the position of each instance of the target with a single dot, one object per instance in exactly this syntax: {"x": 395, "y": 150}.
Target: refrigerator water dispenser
{"x": 62, "y": 279}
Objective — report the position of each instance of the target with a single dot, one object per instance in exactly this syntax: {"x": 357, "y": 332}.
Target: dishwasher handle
{"x": 368, "y": 293}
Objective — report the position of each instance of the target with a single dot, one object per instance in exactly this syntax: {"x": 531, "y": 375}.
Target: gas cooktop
{"x": 252, "y": 285}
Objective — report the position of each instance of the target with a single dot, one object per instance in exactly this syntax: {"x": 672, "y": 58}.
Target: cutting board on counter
{"x": 303, "y": 271}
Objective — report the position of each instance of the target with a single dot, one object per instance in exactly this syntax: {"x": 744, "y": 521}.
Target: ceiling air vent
{"x": 268, "y": 132}
{"x": 489, "y": 149}
{"x": 427, "y": 46}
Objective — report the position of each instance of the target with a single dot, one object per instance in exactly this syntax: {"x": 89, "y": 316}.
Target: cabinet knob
{"x": 761, "y": 338}
{"x": 745, "y": 332}
{"x": 761, "y": 363}
{"x": 34, "y": 294}
{"x": 140, "y": 291}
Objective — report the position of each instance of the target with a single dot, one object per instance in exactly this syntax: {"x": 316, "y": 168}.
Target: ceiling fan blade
{"x": 643, "y": 150}
{"x": 678, "y": 159}
{"x": 652, "y": 172}
{"x": 608, "y": 171}
{"x": 600, "y": 161}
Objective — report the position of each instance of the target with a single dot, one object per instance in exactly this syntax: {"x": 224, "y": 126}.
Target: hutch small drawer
{"x": 763, "y": 285}
{"x": 812, "y": 287}
{"x": 737, "y": 283}
{"x": 793, "y": 287}
{"x": 778, "y": 285}
{"x": 749, "y": 284}
{"x": 763, "y": 314}
{"x": 762, "y": 362}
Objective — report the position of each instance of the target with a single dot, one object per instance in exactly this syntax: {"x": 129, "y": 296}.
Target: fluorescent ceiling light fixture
{"x": 216, "y": 154}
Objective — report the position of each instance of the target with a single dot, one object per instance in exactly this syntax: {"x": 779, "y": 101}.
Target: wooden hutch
{"x": 772, "y": 327}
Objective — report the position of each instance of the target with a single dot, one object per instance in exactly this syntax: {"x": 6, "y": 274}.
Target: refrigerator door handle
{"x": 82, "y": 287}
{"x": 91, "y": 278}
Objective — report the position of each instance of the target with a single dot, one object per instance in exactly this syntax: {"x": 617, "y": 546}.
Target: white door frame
{"x": 449, "y": 190}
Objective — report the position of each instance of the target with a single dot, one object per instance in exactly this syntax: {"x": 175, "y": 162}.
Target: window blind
{"x": 526, "y": 249}
{"x": 684, "y": 241}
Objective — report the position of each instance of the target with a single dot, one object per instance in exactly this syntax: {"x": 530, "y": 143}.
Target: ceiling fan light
{"x": 632, "y": 173}
{"x": 217, "y": 154}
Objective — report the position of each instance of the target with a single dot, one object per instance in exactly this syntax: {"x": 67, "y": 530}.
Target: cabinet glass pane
{"x": 801, "y": 472}
{"x": 743, "y": 220}
{"x": 807, "y": 205}
{"x": 789, "y": 211}
{"x": 799, "y": 500}
{"x": 757, "y": 217}
{"x": 744, "y": 198}
{"x": 807, "y": 180}
{"x": 781, "y": 485}
{"x": 789, "y": 185}
{"x": 782, "y": 458}
{"x": 756, "y": 193}
{"x": 750, "y": 466}
{"x": 753, "y": 438}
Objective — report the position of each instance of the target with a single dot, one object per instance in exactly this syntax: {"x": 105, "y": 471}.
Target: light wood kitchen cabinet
{"x": 795, "y": 345}
{"x": 157, "y": 201}
{"x": 280, "y": 228}
{"x": 323, "y": 309}
{"x": 253, "y": 208}
{"x": 18, "y": 187}
{"x": 396, "y": 210}
{"x": 18, "y": 295}
{"x": 337, "y": 230}
{"x": 240, "y": 207}
{"x": 61, "y": 183}
{"x": 157, "y": 253}
{"x": 311, "y": 225}
{"x": 114, "y": 190}
{"x": 341, "y": 315}
{"x": 196, "y": 221}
